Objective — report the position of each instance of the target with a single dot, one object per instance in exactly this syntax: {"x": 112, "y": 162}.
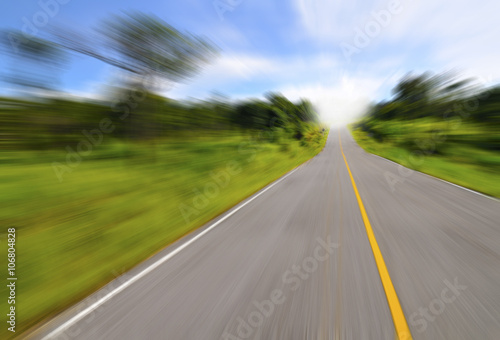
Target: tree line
{"x": 148, "y": 53}
{"x": 55, "y": 122}
{"x": 437, "y": 107}
{"x": 440, "y": 96}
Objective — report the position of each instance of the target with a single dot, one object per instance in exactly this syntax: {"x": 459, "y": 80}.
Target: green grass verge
{"x": 119, "y": 206}
{"x": 449, "y": 152}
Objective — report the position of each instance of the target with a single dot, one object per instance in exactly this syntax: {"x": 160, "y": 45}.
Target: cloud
{"x": 331, "y": 21}
{"x": 442, "y": 35}
{"x": 338, "y": 93}
{"x": 337, "y": 103}
{"x": 232, "y": 70}
{"x": 423, "y": 35}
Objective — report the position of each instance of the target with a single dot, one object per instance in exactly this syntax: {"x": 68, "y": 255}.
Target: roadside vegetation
{"x": 94, "y": 187}
{"x": 129, "y": 197}
{"x": 438, "y": 125}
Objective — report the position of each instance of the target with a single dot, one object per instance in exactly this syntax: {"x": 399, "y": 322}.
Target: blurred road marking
{"x": 402, "y": 330}
{"x": 434, "y": 177}
{"x": 68, "y": 323}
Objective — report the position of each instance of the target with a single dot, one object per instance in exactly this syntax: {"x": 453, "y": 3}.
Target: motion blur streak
{"x": 96, "y": 186}
{"x": 440, "y": 124}
{"x": 435, "y": 238}
{"x": 126, "y": 126}
{"x": 398, "y": 317}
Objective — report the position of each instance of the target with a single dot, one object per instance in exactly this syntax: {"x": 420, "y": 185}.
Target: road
{"x": 295, "y": 262}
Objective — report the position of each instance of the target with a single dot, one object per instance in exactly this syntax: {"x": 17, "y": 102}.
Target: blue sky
{"x": 298, "y": 47}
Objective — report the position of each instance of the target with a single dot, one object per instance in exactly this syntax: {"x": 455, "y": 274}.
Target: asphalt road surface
{"x": 295, "y": 262}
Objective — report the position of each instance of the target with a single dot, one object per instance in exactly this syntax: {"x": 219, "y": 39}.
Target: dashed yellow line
{"x": 398, "y": 317}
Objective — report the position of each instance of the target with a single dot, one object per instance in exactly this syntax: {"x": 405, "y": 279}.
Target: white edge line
{"x": 440, "y": 179}
{"x": 165, "y": 258}
{"x": 423, "y": 173}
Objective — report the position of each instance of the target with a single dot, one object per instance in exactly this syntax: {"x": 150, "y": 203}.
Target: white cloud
{"x": 236, "y": 69}
{"x": 425, "y": 35}
{"x": 328, "y": 21}
{"x": 340, "y": 102}
{"x": 339, "y": 95}
{"x": 460, "y": 34}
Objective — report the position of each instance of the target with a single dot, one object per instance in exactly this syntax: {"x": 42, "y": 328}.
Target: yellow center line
{"x": 402, "y": 330}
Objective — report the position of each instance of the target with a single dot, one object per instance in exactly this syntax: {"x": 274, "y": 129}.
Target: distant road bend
{"x": 326, "y": 252}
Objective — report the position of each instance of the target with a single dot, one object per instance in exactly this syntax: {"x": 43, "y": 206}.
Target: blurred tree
{"x": 143, "y": 45}
{"x": 487, "y": 108}
{"x": 307, "y": 111}
{"x": 36, "y": 62}
{"x": 425, "y": 95}
{"x": 148, "y": 49}
{"x": 292, "y": 117}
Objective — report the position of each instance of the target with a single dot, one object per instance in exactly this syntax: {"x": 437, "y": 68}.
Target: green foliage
{"x": 140, "y": 44}
{"x": 55, "y": 123}
{"x": 453, "y": 128}
{"x": 449, "y": 158}
{"x": 439, "y": 96}
{"x": 120, "y": 205}
{"x": 121, "y": 202}
{"x": 145, "y": 43}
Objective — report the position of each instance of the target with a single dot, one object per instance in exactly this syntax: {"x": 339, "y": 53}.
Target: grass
{"x": 119, "y": 206}
{"x": 458, "y": 152}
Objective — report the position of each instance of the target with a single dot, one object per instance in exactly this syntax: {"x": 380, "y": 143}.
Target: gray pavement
{"x": 296, "y": 263}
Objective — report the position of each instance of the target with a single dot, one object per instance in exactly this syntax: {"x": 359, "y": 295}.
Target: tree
{"x": 35, "y": 61}
{"x": 146, "y": 49}
{"x": 426, "y": 95}
{"x": 141, "y": 45}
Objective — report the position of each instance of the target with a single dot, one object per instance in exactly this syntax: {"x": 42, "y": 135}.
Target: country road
{"x": 295, "y": 262}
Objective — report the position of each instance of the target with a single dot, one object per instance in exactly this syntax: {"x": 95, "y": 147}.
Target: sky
{"x": 341, "y": 55}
